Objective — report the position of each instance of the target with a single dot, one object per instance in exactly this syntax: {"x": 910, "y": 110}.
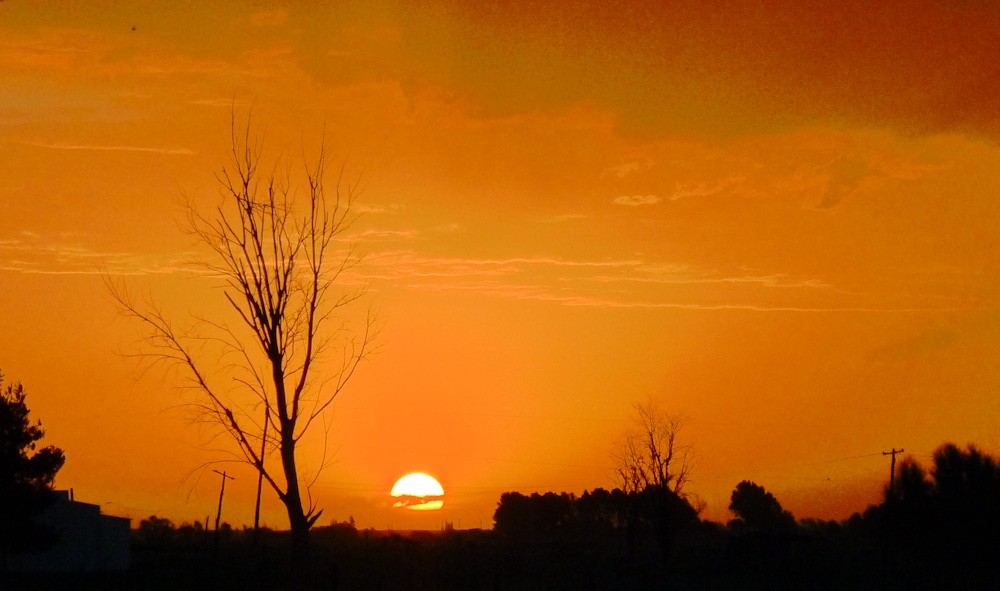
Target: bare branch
{"x": 275, "y": 260}
{"x": 650, "y": 454}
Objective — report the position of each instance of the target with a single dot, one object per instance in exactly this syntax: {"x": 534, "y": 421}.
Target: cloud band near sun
{"x": 634, "y": 200}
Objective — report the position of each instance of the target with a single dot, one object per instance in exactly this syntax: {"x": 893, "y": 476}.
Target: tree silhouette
{"x": 604, "y": 509}
{"x": 945, "y": 527}
{"x": 26, "y": 475}
{"x": 155, "y": 530}
{"x": 966, "y": 499}
{"x": 758, "y": 510}
{"x": 280, "y": 270}
{"x": 655, "y": 513}
{"x": 965, "y": 478}
{"x": 650, "y": 454}
{"x": 912, "y": 485}
{"x": 536, "y": 515}
{"x": 963, "y": 488}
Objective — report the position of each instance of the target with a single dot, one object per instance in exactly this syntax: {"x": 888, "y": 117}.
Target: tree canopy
{"x": 758, "y": 510}
{"x": 26, "y": 473}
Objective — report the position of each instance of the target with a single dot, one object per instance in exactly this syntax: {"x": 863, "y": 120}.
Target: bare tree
{"x": 281, "y": 269}
{"x": 650, "y": 454}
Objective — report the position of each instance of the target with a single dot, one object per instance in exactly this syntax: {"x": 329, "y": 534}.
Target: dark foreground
{"x": 823, "y": 556}
{"x": 936, "y": 531}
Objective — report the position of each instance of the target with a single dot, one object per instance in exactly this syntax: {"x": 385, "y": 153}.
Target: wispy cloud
{"x": 415, "y": 258}
{"x": 52, "y": 49}
{"x": 634, "y": 200}
{"x": 627, "y": 168}
{"x": 618, "y": 283}
{"x": 116, "y": 148}
{"x": 400, "y": 265}
{"x": 603, "y": 283}
{"x": 378, "y": 208}
{"x": 32, "y": 253}
{"x": 623, "y": 170}
{"x": 563, "y": 217}
{"x": 566, "y": 298}
{"x": 682, "y": 277}
{"x": 705, "y": 189}
{"x": 382, "y": 235}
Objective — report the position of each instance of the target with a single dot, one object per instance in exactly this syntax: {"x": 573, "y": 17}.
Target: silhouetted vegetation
{"x": 26, "y": 475}
{"x": 945, "y": 524}
{"x": 938, "y": 529}
{"x": 278, "y": 262}
{"x": 757, "y": 510}
{"x": 651, "y": 455}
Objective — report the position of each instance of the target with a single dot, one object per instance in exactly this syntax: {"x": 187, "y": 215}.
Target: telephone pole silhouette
{"x": 218, "y": 515}
{"x": 892, "y": 470}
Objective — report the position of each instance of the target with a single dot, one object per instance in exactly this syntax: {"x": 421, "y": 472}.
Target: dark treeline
{"x": 938, "y": 527}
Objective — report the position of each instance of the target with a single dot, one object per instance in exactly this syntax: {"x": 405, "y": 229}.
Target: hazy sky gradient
{"x": 777, "y": 219}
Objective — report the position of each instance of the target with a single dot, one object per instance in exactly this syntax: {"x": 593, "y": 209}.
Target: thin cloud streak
{"x": 410, "y": 263}
{"x": 570, "y": 283}
{"x": 33, "y": 256}
{"x": 411, "y": 257}
{"x": 705, "y": 189}
{"x": 539, "y": 279}
{"x": 627, "y": 168}
{"x": 565, "y": 217}
{"x": 375, "y": 235}
{"x": 776, "y": 280}
{"x": 636, "y": 200}
{"x": 377, "y": 208}
{"x": 535, "y": 293}
{"x": 96, "y": 148}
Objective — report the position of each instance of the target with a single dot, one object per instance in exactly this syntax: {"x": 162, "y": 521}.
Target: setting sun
{"x": 418, "y": 492}
{"x": 777, "y": 220}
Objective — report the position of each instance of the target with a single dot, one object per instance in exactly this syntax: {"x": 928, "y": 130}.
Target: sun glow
{"x": 418, "y": 492}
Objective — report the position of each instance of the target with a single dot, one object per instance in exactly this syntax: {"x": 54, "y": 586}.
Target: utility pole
{"x": 218, "y": 515}
{"x": 892, "y": 470}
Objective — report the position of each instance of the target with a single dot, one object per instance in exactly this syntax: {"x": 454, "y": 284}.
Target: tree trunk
{"x": 297, "y": 520}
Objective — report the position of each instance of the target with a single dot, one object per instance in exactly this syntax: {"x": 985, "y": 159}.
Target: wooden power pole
{"x": 218, "y": 516}
{"x": 892, "y": 470}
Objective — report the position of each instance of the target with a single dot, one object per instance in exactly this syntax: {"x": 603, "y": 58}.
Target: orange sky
{"x": 779, "y": 220}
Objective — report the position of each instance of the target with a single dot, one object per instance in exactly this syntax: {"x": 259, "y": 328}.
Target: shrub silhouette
{"x": 758, "y": 510}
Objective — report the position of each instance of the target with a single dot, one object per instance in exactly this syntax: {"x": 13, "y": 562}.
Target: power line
{"x": 790, "y": 466}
